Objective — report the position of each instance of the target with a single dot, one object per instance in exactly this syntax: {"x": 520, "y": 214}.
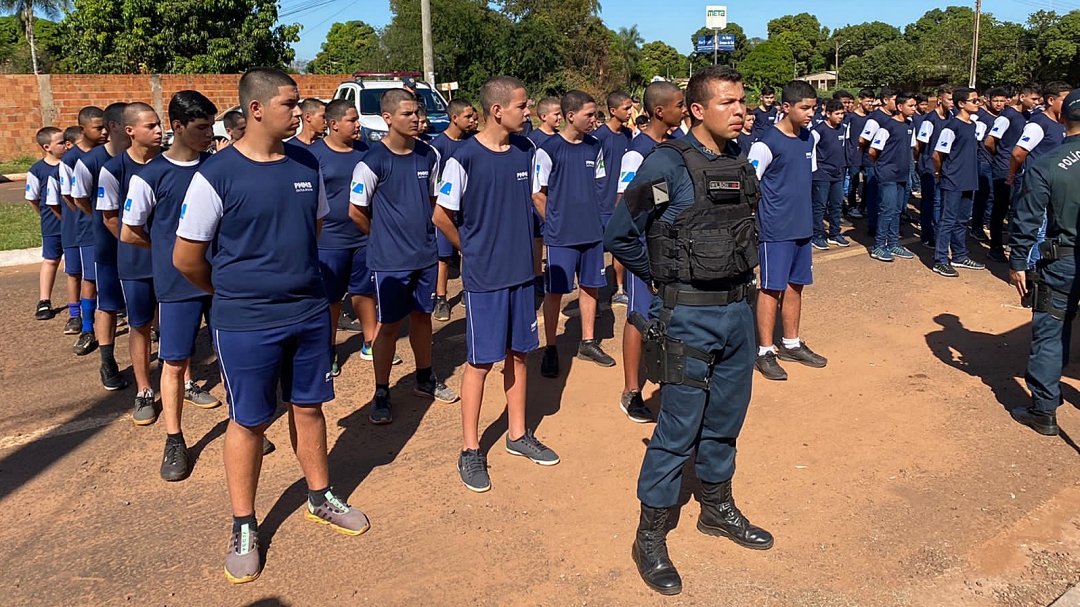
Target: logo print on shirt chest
{"x": 303, "y": 186}
{"x": 422, "y": 174}
{"x": 522, "y": 175}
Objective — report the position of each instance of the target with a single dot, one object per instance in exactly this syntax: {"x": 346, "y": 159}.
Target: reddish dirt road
{"x": 892, "y": 477}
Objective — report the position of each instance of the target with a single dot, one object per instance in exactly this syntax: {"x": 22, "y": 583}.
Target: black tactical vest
{"x": 713, "y": 243}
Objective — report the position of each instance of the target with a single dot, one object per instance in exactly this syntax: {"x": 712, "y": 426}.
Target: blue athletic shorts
{"x": 345, "y": 271}
{"x": 785, "y": 262}
{"x": 254, "y": 364}
{"x": 398, "y": 294}
{"x": 563, "y": 263}
{"x": 72, "y": 261}
{"x": 110, "y": 292}
{"x": 497, "y": 321}
{"x": 51, "y": 248}
{"x": 639, "y": 294}
{"x": 140, "y": 298}
{"x": 86, "y": 262}
{"x": 180, "y": 322}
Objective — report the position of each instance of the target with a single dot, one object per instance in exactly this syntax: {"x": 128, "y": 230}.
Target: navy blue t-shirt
{"x": 831, "y": 152}
{"x": 1041, "y": 136}
{"x": 527, "y": 128}
{"x": 446, "y": 146}
{"x": 570, "y": 170}
{"x": 988, "y": 119}
{"x": 1007, "y": 129}
{"x": 614, "y": 146}
{"x": 893, "y": 142}
{"x": 958, "y": 143}
{"x": 877, "y": 117}
{"x": 927, "y": 135}
{"x": 132, "y": 262}
{"x": 154, "y": 199}
{"x": 71, "y": 222}
{"x": 41, "y": 179}
{"x": 744, "y": 141}
{"x": 338, "y": 229}
{"x": 87, "y": 177}
{"x": 398, "y": 190}
{"x": 492, "y": 194}
{"x": 853, "y": 126}
{"x": 785, "y": 168}
{"x": 261, "y": 218}
{"x": 763, "y": 119}
{"x": 538, "y": 137}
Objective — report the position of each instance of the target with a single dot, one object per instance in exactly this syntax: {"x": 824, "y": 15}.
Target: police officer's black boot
{"x": 720, "y": 517}
{"x": 650, "y": 552}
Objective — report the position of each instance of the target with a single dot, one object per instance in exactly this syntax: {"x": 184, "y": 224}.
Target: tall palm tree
{"x": 24, "y": 9}
{"x": 630, "y": 42}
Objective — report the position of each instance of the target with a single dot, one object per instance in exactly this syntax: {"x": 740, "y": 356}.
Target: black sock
{"x": 317, "y": 498}
{"x": 249, "y": 520}
{"x": 440, "y": 298}
{"x": 423, "y": 375}
{"x": 175, "y": 438}
{"x": 383, "y": 387}
{"x": 107, "y": 353}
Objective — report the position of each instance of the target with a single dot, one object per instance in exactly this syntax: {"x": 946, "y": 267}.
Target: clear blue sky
{"x": 678, "y": 20}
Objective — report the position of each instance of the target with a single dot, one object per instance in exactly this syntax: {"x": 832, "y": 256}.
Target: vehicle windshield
{"x": 369, "y": 101}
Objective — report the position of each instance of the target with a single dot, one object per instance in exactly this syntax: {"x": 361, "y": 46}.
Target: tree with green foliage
{"x": 892, "y": 64}
{"x": 352, "y": 46}
{"x": 1055, "y": 43}
{"x": 856, "y": 40}
{"x": 660, "y": 59}
{"x": 768, "y": 64}
{"x": 24, "y": 10}
{"x": 804, "y": 35}
{"x": 16, "y": 55}
{"x": 629, "y": 43}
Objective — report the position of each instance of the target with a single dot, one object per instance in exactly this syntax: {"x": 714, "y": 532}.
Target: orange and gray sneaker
{"x": 243, "y": 562}
{"x": 339, "y": 515}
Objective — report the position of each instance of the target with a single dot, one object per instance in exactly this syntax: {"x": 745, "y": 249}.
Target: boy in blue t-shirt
{"x": 784, "y": 160}
{"x": 872, "y": 191}
{"x": 564, "y": 192}
{"x": 270, "y": 316}
{"x": 486, "y": 186}
{"x": 891, "y": 150}
{"x": 828, "y": 179}
{"x": 956, "y": 163}
{"x": 43, "y": 194}
{"x": 1000, "y": 141}
{"x": 614, "y": 137}
{"x": 550, "y": 114}
{"x": 929, "y": 127}
{"x": 150, "y": 217}
{"x": 392, "y": 196}
{"x": 463, "y": 123}
{"x": 766, "y": 114}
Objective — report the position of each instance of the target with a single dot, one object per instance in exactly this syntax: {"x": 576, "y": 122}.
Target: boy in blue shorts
{"x": 43, "y": 186}
{"x": 342, "y": 246}
{"x": 665, "y": 105}
{"x": 567, "y": 168}
{"x": 784, "y": 159}
{"x": 486, "y": 184}
{"x": 614, "y": 137}
{"x": 150, "y": 216}
{"x": 393, "y": 190}
{"x": 269, "y": 314}
{"x": 891, "y": 150}
{"x": 463, "y": 123}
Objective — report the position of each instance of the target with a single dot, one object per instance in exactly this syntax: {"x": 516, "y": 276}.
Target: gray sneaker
{"x": 442, "y": 310}
{"x": 801, "y": 354}
{"x": 243, "y": 562}
{"x": 434, "y": 388}
{"x": 195, "y": 395}
{"x": 528, "y": 446}
{"x": 472, "y": 466}
{"x": 340, "y": 516}
{"x": 968, "y": 264}
{"x": 634, "y": 408}
{"x": 145, "y": 412}
{"x": 381, "y": 412}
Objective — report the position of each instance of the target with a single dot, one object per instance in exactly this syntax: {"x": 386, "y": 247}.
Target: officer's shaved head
{"x": 659, "y": 93}
{"x": 262, "y": 84}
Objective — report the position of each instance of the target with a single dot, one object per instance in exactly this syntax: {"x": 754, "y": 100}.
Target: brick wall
{"x": 37, "y": 101}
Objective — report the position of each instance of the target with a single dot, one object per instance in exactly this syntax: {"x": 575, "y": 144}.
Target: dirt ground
{"x": 892, "y": 477}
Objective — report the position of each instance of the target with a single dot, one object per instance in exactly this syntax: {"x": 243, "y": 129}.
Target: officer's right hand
{"x": 1019, "y": 280}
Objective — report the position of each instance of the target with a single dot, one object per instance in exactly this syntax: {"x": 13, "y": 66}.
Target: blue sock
{"x": 73, "y": 309}
{"x": 88, "y": 306}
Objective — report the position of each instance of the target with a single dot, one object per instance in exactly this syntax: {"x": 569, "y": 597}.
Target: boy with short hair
{"x": 872, "y": 191}
{"x": 313, "y": 122}
{"x": 858, "y": 163}
{"x": 828, "y": 178}
{"x": 495, "y": 207}
{"x": 765, "y": 114}
{"x": 463, "y": 123}
{"x": 929, "y": 127}
{"x": 43, "y": 194}
{"x": 91, "y": 134}
{"x": 392, "y": 196}
{"x": 746, "y": 135}
{"x": 235, "y": 124}
{"x": 72, "y": 135}
{"x": 614, "y": 138}
{"x": 784, "y": 160}
{"x": 1000, "y": 141}
{"x": 891, "y": 150}
{"x": 564, "y": 192}
{"x": 550, "y": 114}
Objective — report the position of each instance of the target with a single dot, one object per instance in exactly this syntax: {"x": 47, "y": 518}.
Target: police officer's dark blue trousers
{"x": 691, "y": 418}
{"x": 1050, "y": 336}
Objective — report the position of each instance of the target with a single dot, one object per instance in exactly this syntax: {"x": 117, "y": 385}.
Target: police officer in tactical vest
{"x": 693, "y": 199}
{"x": 1051, "y": 189}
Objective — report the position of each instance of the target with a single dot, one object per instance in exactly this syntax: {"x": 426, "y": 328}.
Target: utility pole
{"x": 975, "y": 44}
{"x": 429, "y": 53}
{"x": 715, "y": 37}
{"x": 839, "y": 45}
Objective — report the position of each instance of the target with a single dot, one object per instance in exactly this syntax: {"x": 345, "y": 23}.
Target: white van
{"x": 365, "y": 91}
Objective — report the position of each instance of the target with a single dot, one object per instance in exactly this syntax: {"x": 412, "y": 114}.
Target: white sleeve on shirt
{"x": 813, "y": 158}
{"x": 1001, "y": 126}
{"x": 817, "y": 137}
{"x": 140, "y": 202}
{"x": 108, "y": 198}
{"x": 601, "y": 170}
{"x": 945, "y": 141}
{"x": 980, "y": 131}
{"x": 760, "y": 157}
{"x": 363, "y": 185}
{"x": 926, "y": 131}
{"x": 914, "y": 141}
{"x": 52, "y": 192}
{"x": 434, "y": 177}
{"x": 81, "y": 180}
{"x": 631, "y": 162}
{"x": 324, "y": 205}
{"x": 201, "y": 211}
{"x": 1031, "y": 137}
{"x": 65, "y": 179}
{"x": 880, "y": 139}
{"x": 33, "y": 187}
{"x": 543, "y": 170}
{"x": 870, "y": 129}
{"x": 453, "y": 184}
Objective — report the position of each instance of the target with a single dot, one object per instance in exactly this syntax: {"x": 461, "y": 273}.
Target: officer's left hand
{"x": 1019, "y": 280}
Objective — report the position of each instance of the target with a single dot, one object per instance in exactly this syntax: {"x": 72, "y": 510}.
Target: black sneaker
{"x": 44, "y": 310}
{"x": 472, "y": 466}
{"x": 634, "y": 408}
{"x": 979, "y": 235}
{"x": 442, "y": 310}
{"x": 145, "y": 412}
{"x": 111, "y": 378}
{"x": 997, "y": 255}
{"x": 590, "y": 350}
{"x": 968, "y": 264}
{"x": 801, "y": 354}
{"x": 380, "y": 409}
{"x": 769, "y": 368}
{"x": 549, "y": 365}
{"x": 435, "y": 388}
{"x": 529, "y": 446}
{"x": 176, "y": 466}
{"x": 73, "y": 326}
{"x": 1043, "y": 422}
{"x": 349, "y": 324}
{"x": 86, "y": 343}
{"x": 154, "y": 335}
{"x": 946, "y": 270}
{"x": 268, "y": 447}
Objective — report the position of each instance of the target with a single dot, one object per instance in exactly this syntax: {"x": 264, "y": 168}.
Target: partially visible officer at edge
{"x": 685, "y": 197}
{"x": 1051, "y": 189}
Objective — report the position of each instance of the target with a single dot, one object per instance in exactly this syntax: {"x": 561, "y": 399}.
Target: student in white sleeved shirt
{"x": 42, "y": 179}
{"x": 874, "y": 121}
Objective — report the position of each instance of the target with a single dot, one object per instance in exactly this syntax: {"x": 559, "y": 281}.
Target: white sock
{"x": 791, "y": 344}
{"x": 763, "y": 350}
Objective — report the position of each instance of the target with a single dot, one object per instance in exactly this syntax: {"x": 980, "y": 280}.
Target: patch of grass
{"x": 21, "y": 164}
{"x": 20, "y": 227}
